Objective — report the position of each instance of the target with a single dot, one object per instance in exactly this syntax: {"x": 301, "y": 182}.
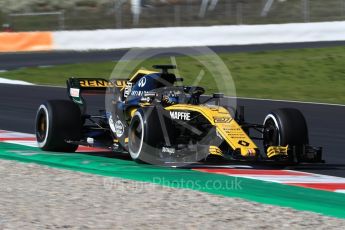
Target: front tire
{"x": 56, "y": 122}
{"x": 145, "y": 136}
{"x": 283, "y": 127}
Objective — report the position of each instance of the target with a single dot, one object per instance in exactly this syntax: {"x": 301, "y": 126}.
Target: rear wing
{"x": 76, "y": 87}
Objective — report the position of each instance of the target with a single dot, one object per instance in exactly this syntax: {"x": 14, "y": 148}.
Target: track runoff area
{"x": 299, "y": 190}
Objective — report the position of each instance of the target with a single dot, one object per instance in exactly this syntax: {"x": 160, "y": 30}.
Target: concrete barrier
{"x": 173, "y": 37}
{"x": 199, "y": 36}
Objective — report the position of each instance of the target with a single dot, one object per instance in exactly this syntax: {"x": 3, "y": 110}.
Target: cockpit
{"x": 163, "y": 84}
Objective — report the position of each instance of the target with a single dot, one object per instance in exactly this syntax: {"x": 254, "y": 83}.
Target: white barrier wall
{"x": 198, "y": 36}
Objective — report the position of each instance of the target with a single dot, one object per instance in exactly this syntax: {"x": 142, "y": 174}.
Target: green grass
{"x": 296, "y": 74}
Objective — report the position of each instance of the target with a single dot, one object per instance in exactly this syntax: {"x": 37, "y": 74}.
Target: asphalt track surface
{"x": 326, "y": 123}
{"x": 18, "y": 104}
{"x": 9, "y": 61}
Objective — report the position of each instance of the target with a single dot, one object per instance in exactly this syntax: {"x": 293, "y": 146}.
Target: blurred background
{"x": 270, "y": 67}
{"x": 41, "y": 15}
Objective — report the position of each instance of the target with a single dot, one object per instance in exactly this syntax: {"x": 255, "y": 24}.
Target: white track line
{"x": 289, "y": 101}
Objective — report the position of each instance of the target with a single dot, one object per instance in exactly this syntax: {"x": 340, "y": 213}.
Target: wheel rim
{"x": 135, "y": 136}
{"x": 271, "y": 133}
{"x": 41, "y": 126}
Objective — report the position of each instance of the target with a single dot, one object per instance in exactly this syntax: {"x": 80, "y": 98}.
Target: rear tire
{"x": 283, "y": 127}
{"x": 56, "y": 122}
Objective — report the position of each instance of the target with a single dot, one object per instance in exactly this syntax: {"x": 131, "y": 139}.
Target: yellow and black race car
{"x": 155, "y": 119}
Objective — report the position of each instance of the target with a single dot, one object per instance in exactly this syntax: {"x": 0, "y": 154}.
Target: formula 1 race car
{"x": 155, "y": 119}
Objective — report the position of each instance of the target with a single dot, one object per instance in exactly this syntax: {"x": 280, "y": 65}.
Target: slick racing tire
{"x": 144, "y": 135}
{"x": 283, "y": 127}
{"x": 56, "y": 122}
